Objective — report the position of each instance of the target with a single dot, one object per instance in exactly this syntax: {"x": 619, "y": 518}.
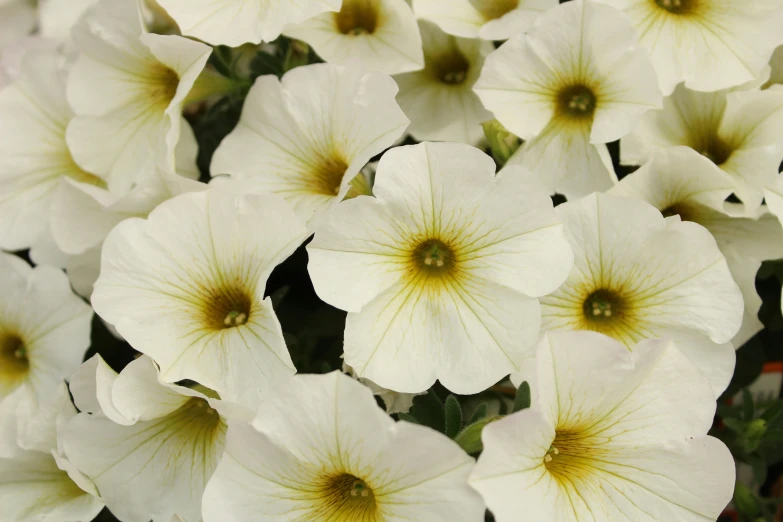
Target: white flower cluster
{"x": 621, "y": 308}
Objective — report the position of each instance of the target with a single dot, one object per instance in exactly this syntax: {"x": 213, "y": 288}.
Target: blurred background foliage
{"x": 313, "y": 329}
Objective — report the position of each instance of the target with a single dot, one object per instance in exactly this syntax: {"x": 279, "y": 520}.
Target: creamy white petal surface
{"x": 679, "y": 181}
{"x": 380, "y": 35}
{"x": 323, "y": 450}
{"x": 306, "y": 137}
{"x": 57, "y": 17}
{"x": 612, "y": 435}
{"x": 639, "y": 276}
{"x": 150, "y": 448}
{"x": 127, "y": 88}
{"x": 82, "y": 216}
{"x": 186, "y": 287}
{"x": 38, "y": 484}
{"x": 444, "y": 265}
{"x": 567, "y": 87}
{"x": 486, "y": 19}
{"x": 708, "y": 44}
{"x": 44, "y": 332}
{"x": 17, "y": 19}
{"x": 235, "y": 22}
{"x": 739, "y": 131}
{"x": 439, "y": 99}
{"x": 34, "y": 156}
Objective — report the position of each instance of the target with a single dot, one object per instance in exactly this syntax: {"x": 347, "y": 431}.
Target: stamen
{"x": 602, "y": 305}
{"x": 235, "y": 318}
{"x": 434, "y": 257}
{"x": 577, "y": 102}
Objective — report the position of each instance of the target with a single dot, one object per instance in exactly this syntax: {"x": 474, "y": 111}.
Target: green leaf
{"x": 755, "y": 431}
{"x": 429, "y": 411}
{"x": 522, "y": 399}
{"x": 453, "y": 414}
{"x": 774, "y": 415}
{"x": 735, "y": 425}
{"x": 479, "y": 413}
{"x": 748, "y": 410}
{"x": 220, "y": 59}
{"x": 264, "y": 63}
{"x": 746, "y": 501}
{"x": 727, "y": 411}
{"x": 407, "y": 417}
{"x": 759, "y": 466}
{"x": 469, "y": 439}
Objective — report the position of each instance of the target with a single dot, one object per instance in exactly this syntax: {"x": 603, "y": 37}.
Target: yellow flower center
{"x": 577, "y": 102}
{"x": 343, "y": 497}
{"x": 494, "y": 9}
{"x": 357, "y": 17}
{"x": 602, "y": 308}
{"x": 163, "y": 83}
{"x": 434, "y": 258}
{"x": 572, "y": 456}
{"x": 226, "y": 306}
{"x": 328, "y": 174}
{"x": 715, "y": 148}
{"x": 684, "y": 210}
{"x": 450, "y": 67}
{"x": 677, "y": 6}
{"x": 14, "y": 361}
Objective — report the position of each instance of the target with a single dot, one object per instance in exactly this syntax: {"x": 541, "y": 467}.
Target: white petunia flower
{"x": 739, "y": 131}
{"x": 486, "y": 19}
{"x": 306, "y": 137}
{"x": 58, "y": 17}
{"x": 568, "y": 87}
{"x": 639, "y": 276}
{"x": 82, "y": 215}
{"x": 186, "y": 287}
{"x": 38, "y": 483}
{"x": 612, "y": 435}
{"x": 678, "y": 181}
{"x": 439, "y": 99}
{"x": 381, "y": 35}
{"x": 149, "y": 448}
{"x": 323, "y": 450}
{"x": 34, "y": 157}
{"x": 44, "y": 332}
{"x": 708, "y": 44}
{"x": 127, "y": 88}
{"x": 235, "y": 22}
{"x": 443, "y": 267}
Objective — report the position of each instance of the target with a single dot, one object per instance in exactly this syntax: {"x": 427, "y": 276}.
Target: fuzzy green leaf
{"x": 522, "y": 400}
{"x": 479, "y": 413}
{"x": 453, "y": 414}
